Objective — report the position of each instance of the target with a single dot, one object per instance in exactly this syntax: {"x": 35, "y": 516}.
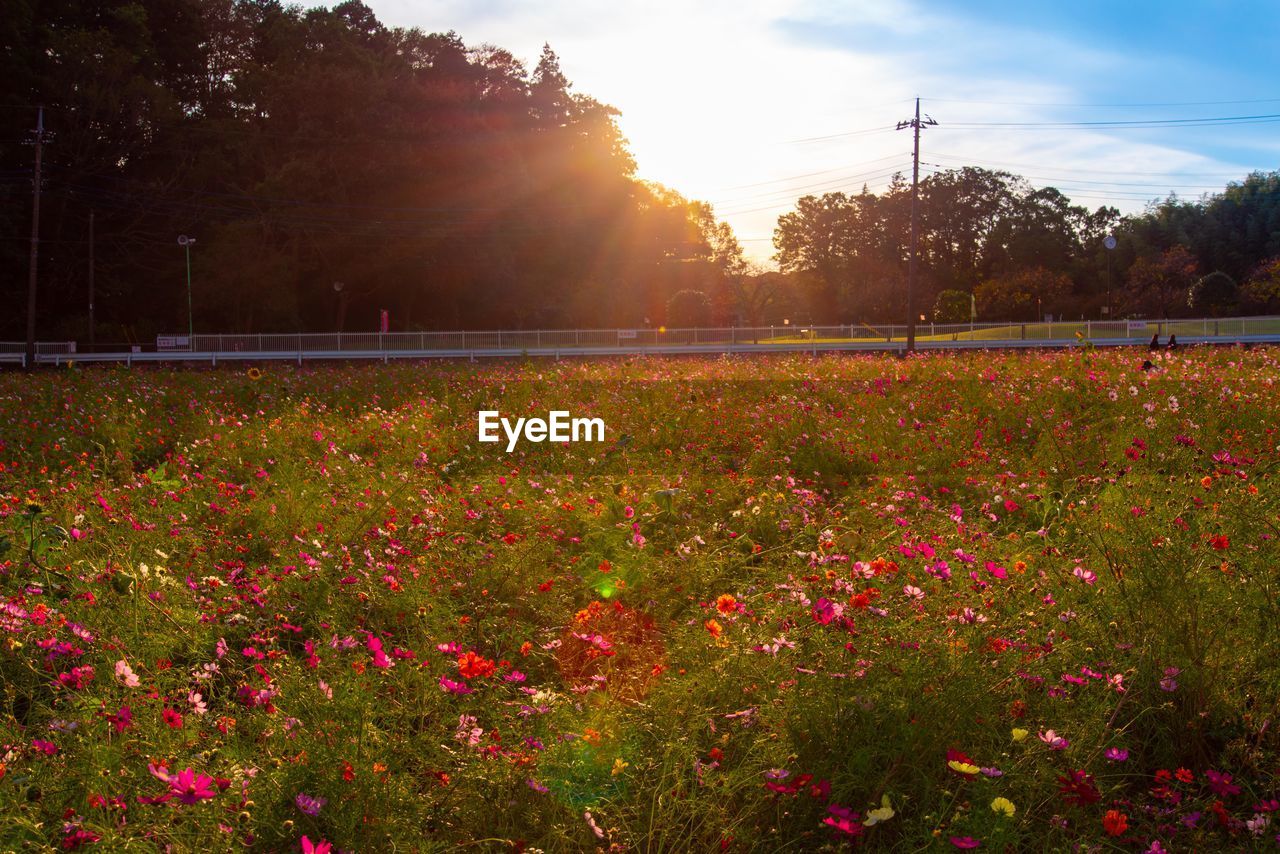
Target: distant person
{"x": 1146, "y": 365}
{"x": 1155, "y": 343}
{"x": 1173, "y": 343}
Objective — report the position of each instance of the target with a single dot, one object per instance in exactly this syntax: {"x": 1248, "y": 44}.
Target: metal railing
{"x": 798, "y": 337}
{"x": 557, "y": 342}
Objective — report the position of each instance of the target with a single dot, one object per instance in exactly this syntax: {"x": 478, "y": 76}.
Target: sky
{"x": 751, "y": 104}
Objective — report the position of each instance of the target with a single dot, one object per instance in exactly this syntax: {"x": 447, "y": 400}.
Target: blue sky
{"x": 749, "y": 104}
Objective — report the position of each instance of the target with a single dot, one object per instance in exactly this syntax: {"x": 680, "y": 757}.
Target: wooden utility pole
{"x": 92, "y": 324}
{"x": 38, "y": 141}
{"x": 915, "y": 124}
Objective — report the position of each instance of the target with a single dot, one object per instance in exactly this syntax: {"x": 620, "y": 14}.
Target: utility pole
{"x": 91, "y": 321}
{"x": 915, "y": 124}
{"x": 38, "y": 141}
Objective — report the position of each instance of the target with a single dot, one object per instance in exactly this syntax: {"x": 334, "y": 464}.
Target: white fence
{"x": 599, "y": 342}
{"x": 778, "y": 337}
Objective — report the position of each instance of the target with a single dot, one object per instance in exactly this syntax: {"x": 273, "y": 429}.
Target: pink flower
{"x": 843, "y": 820}
{"x": 1054, "y": 740}
{"x": 628, "y": 511}
{"x": 447, "y": 684}
{"x": 48, "y": 748}
{"x": 965, "y": 842}
{"x": 122, "y": 719}
{"x": 1117, "y": 754}
{"x": 126, "y": 675}
{"x": 321, "y": 847}
{"x": 188, "y": 786}
{"x": 379, "y": 657}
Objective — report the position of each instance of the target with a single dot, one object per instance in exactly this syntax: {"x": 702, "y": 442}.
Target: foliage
{"x": 447, "y": 183}
{"x": 1214, "y": 293}
{"x": 953, "y": 307}
{"x": 1024, "y": 295}
{"x": 1261, "y": 293}
{"x": 688, "y": 308}
{"x": 1027, "y": 600}
{"x": 1159, "y": 286}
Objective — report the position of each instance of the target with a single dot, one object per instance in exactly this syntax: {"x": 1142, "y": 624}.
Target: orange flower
{"x": 1184, "y": 775}
{"x": 525, "y": 648}
{"x": 471, "y": 665}
{"x": 1206, "y": 481}
{"x": 715, "y": 628}
{"x": 726, "y": 604}
{"x": 1115, "y": 822}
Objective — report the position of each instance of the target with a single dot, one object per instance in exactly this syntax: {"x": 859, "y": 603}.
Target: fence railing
{"x": 335, "y": 345}
{"x": 797, "y": 336}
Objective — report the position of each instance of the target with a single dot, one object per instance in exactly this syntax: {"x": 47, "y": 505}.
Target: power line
{"x": 1226, "y": 175}
{"x": 811, "y": 174}
{"x": 1108, "y": 106}
{"x": 1139, "y": 124}
{"x": 857, "y": 177}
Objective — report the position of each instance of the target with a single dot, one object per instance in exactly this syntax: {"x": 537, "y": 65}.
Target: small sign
{"x": 1137, "y": 326}
{"x": 626, "y": 333}
{"x": 172, "y": 342}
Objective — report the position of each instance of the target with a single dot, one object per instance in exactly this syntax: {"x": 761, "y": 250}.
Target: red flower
{"x": 1115, "y": 822}
{"x": 471, "y": 665}
{"x": 1079, "y": 789}
{"x": 1220, "y": 541}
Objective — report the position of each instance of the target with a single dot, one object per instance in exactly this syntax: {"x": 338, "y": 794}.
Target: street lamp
{"x": 186, "y": 243}
{"x": 342, "y": 304}
{"x": 1109, "y": 244}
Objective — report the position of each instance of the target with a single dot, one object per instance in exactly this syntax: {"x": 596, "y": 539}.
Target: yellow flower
{"x": 1019, "y": 734}
{"x": 619, "y": 766}
{"x": 255, "y": 374}
{"x": 1003, "y": 806}
{"x": 884, "y": 813}
{"x": 963, "y": 767}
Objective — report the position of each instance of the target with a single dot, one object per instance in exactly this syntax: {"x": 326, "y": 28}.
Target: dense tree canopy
{"x": 447, "y": 183}
{"x": 992, "y": 235}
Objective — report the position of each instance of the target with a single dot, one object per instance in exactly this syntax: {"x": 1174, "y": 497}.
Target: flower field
{"x": 999, "y": 601}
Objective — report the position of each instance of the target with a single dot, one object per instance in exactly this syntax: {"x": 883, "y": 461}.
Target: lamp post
{"x": 1109, "y": 243}
{"x": 186, "y": 243}
{"x": 342, "y": 304}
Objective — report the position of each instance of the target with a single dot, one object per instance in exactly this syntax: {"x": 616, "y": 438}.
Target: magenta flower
{"x": 321, "y": 847}
{"x": 188, "y": 786}
{"x": 48, "y": 748}
{"x": 843, "y": 820}
{"x": 965, "y": 842}
{"x": 1116, "y": 754}
{"x": 447, "y": 684}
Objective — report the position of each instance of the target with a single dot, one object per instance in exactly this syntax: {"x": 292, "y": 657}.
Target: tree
{"x": 1213, "y": 293}
{"x": 816, "y": 241}
{"x": 1158, "y": 285}
{"x": 1261, "y": 293}
{"x": 1022, "y": 295}
{"x": 688, "y": 308}
{"x": 952, "y": 307}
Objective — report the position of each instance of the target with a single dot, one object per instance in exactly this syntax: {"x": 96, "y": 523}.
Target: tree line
{"x": 329, "y": 166}
{"x": 990, "y": 244}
